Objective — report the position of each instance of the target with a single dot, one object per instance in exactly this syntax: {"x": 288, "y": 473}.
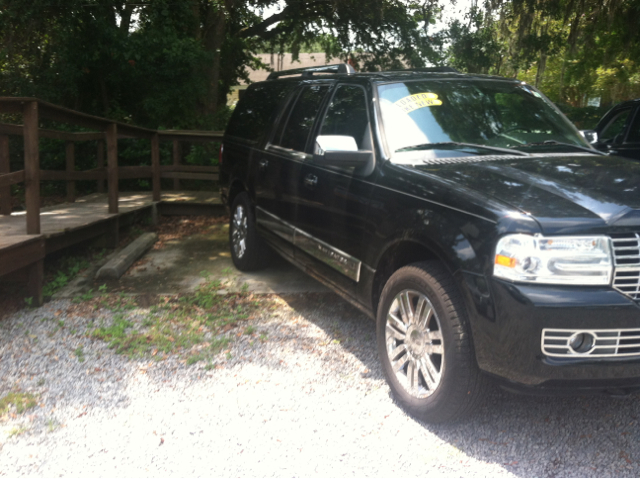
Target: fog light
{"x": 582, "y": 342}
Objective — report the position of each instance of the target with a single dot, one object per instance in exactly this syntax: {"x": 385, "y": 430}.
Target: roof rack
{"x": 309, "y": 71}
{"x": 434, "y": 70}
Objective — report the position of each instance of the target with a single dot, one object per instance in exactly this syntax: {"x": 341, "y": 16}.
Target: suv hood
{"x": 562, "y": 191}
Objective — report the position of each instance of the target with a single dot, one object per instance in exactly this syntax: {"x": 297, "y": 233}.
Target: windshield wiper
{"x": 562, "y": 143}
{"x": 452, "y": 145}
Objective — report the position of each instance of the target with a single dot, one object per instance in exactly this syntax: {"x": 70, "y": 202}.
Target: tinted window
{"x": 634, "y": 131}
{"x": 255, "y": 113}
{"x": 302, "y": 116}
{"x": 615, "y": 127}
{"x": 347, "y": 114}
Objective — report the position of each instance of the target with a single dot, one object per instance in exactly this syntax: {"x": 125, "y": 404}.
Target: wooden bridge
{"x": 27, "y": 237}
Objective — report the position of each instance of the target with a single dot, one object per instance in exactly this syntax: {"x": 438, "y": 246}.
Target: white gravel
{"x": 308, "y": 401}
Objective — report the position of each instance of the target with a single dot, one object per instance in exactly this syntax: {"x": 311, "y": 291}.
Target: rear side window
{"x": 298, "y": 126}
{"x": 255, "y": 113}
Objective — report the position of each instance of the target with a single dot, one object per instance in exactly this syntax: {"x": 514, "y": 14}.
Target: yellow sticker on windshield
{"x": 419, "y": 100}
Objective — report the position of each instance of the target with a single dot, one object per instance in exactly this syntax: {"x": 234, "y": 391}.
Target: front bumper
{"x": 507, "y": 337}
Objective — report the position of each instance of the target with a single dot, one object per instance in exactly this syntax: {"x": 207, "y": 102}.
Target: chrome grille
{"x": 609, "y": 343}
{"x": 626, "y": 253}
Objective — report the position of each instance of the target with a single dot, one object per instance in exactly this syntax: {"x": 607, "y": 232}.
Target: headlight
{"x": 554, "y": 260}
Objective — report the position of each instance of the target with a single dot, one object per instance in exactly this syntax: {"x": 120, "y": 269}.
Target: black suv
{"x": 464, "y": 213}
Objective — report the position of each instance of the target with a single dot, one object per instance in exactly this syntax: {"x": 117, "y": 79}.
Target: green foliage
{"x": 19, "y": 400}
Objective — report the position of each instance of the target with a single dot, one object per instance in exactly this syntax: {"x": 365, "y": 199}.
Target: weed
{"x": 29, "y": 301}
{"x": 263, "y": 337}
{"x": 18, "y": 431}
{"x": 52, "y": 424}
{"x": 88, "y": 296}
{"x": 245, "y": 287}
{"x": 250, "y": 330}
{"x": 229, "y": 356}
{"x": 21, "y": 401}
{"x": 219, "y": 344}
{"x": 227, "y": 271}
{"x": 79, "y": 352}
{"x": 102, "y": 289}
{"x": 194, "y": 358}
{"x": 60, "y": 324}
{"x": 41, "y": 382}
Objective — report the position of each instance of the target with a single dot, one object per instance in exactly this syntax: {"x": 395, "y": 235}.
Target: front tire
{"x": 425, "y": 347}
{"x": 248, "y": 250}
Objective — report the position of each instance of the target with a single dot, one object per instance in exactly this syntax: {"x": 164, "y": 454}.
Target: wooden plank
{"x": 12, "y": 178}
{"x": 155, "y": 166}
{"x": 112, "y": 166}
{"x": 177, "y": 159}
{"x": 5, "y": 167}
{"x": 189, "y": 168}
{"x": 189, "y": 176}
{"x": 70, "y": 156}
{"x": 128, "y": 172}
{"x": 194, "y": 136}
{"x": 9, "y": 129}
{"x": 31, "y": 167}
{"x": 100, "y": 153}
{"x": 21, "y": 254}
{"x": 60, "y": 175}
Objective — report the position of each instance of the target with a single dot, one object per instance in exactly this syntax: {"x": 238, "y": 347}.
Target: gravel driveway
{"x": 301, "y": 396}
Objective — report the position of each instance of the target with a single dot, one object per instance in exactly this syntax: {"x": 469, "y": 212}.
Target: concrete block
{"x": 121, "y": 261}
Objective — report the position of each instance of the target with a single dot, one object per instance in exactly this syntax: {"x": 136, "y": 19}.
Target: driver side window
{"x": 347, "y": 116}
{"x": 615, "y": 127}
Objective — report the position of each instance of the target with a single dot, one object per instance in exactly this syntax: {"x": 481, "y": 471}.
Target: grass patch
{"x": 191, "y": 325}
{"x": 18, "y": 431}
{"x": 79, "y": 352}
{"x": 21, "y": 401}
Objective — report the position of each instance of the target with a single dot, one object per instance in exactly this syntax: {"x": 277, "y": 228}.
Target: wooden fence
{"x": 107, "y": 135}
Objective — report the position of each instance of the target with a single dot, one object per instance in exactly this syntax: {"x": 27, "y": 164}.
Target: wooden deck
{"x": 88, "y": 218}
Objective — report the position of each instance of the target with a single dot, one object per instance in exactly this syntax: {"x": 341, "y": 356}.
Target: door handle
{"x": 262, "y": 164}
{"x": 311, "y": 181}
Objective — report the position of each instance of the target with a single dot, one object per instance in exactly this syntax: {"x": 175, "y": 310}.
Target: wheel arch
{"x": 399, "y": 253}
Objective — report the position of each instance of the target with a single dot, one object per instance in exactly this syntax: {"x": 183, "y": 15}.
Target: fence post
{"x": 5, "y": 167}
{"x": 177, "y": 158}
{"x": 155, "y": 167}
{"x": 70, "y": 154}
{"x": 111, "y": 135}
{"x": 31, "y": 166}
{"x": 100, "y": 164}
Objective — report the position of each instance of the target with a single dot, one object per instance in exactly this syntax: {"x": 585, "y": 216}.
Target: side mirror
{"x": 337, "y": 150}
{"x": 590, "y": 135}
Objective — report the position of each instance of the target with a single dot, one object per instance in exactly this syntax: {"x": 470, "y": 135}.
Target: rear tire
{"x": 425, "y": 347}
{"x": 248, "y": 250}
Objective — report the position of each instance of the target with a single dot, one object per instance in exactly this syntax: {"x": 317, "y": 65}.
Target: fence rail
{"x": 107, "y": 136}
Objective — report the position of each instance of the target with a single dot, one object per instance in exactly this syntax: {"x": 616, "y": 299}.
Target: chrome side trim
{"x": 608, "y": 343}
{"x": 275, "y": 224}
{"x": 338, "y": 260}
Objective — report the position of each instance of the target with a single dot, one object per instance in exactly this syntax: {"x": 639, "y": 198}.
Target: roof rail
{"x": 434, "y": 70}
{"x": 309, "y": 71}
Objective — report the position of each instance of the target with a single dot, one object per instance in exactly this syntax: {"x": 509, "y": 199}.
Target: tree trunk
{"x": 542, "y": 63}
{"x": 213, "y": 36}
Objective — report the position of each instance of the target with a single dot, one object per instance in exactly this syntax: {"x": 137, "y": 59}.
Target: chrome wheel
{"x": 414, "y": 345}
{"x": 239, "y": 231}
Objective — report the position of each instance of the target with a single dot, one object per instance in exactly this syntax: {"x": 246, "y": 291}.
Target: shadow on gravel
{"x": 583, "y": 436}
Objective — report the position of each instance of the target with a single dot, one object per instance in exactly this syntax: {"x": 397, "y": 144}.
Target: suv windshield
{"x": 417, "y": 115}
